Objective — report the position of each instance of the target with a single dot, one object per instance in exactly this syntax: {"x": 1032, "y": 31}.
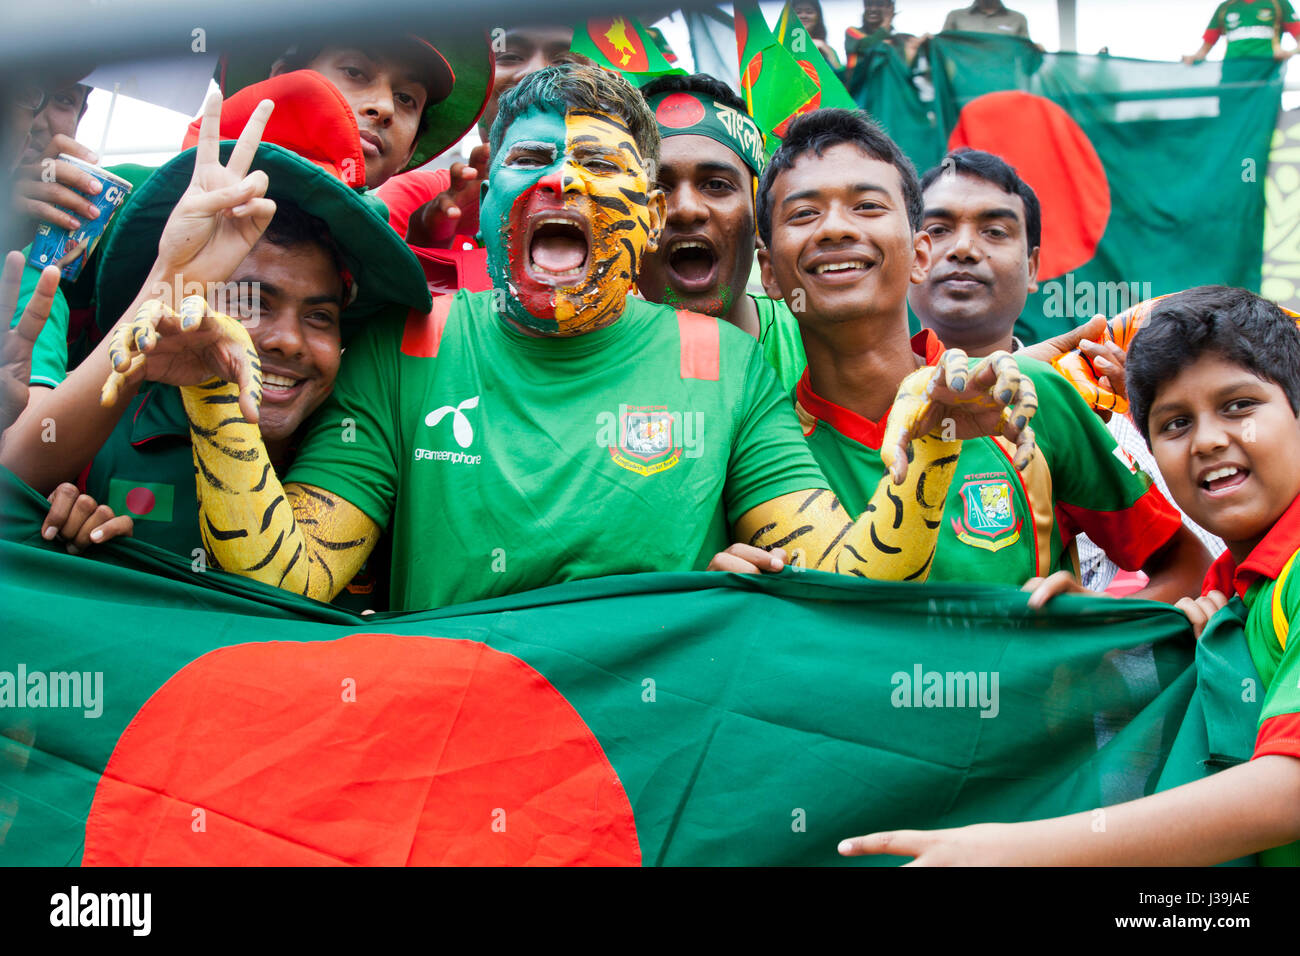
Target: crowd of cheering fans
{"x": 323, "y": 366}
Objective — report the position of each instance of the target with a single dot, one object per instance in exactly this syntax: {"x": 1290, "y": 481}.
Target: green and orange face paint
{"x": 566, "y": 217}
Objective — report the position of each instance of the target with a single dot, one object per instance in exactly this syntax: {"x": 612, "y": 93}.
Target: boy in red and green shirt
{"x": 1214, "y": 384}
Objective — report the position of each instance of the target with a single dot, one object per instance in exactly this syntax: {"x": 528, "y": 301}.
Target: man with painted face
{"x": 513, "y": 437}
{"x": 711, "y": 153}
{"x": 432, "y": 206}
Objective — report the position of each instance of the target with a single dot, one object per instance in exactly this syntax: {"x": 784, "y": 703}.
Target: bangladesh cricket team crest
{"x": 988, "y": 517}
{"x": 646, "y": 442}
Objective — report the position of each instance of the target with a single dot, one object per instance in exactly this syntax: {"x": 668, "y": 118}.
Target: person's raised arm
{"x": 211, "y": 230}
{"x": 894, "y": 539}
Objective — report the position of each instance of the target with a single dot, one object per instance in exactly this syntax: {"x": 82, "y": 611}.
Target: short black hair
{"x": 817, "y": 132}
{"x": 996, "y": 170}
{"x": 584, "y": 88}
{"x": 1233, "y": 324}
{"x": 291, "y": 226}
{"x": 701, "y": 83}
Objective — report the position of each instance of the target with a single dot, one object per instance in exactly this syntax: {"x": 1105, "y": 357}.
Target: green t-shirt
{"x": 1000, "y": 525}
{"x": 778, "y": 336}
{"x": 1250, "y": 26}
{"x": 146, "y": 470}
{"x": 50, "y": 354}
{"x": 508, "y": 462}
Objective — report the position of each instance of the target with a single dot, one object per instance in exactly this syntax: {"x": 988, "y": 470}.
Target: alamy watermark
{"x": 923, "y": 688}
{"x": 36, "y": 689}
{"x": 241, "y": 300}
{"x": 1083, "y": 300}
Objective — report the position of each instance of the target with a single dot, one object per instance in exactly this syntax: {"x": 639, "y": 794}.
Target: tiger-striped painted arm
{"x": 895, "y": 538}
{"x": 296, "y": 537}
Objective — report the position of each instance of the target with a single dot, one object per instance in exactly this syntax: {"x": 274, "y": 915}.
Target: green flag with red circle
{"x": 1151, "y": 175}
{"x": 152, "y": 714}
{"x": 622, "y": 44}
{"x": 774, "y": 85}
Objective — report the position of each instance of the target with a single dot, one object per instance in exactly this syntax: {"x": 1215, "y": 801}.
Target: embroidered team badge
{"x": 988, "y": 518}
{"x": 646, "y": 442}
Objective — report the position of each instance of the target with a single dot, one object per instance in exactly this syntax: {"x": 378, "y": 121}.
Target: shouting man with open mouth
{"x": 711, "y": 157}
{"x": 554, "y": 428}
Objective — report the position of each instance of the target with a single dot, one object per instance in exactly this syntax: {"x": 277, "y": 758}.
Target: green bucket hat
{"x": 470, "y": 61}
{"x": 383, "y": 270}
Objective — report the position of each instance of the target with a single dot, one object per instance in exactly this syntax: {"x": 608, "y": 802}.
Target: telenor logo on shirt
{"x": 142, "y": 500}
{"x": 461, "y": 430}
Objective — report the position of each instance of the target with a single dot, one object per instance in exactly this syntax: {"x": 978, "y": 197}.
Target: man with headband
{"x": 553, "y": 428}
{"x": 710, "y": 159}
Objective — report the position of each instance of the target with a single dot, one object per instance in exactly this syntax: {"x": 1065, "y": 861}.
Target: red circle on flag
{"x": 679, "y": 110}
{"x": 375, "y": 749}
{"x": 1053, "y": 154}
{"x": 140, "y": 501}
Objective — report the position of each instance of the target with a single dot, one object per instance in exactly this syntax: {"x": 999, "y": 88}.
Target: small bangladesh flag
{"x": 831, "y": 93}
{"x": 142, "y": 500}
{"x": 622, "y": 44}
{"x": 775, "y": 86}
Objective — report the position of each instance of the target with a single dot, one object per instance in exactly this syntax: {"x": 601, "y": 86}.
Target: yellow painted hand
{"x": 951, "y": 401}
{"x": 186, "y": 348}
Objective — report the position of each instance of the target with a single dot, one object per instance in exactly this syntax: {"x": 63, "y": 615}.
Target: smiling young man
{"x": 325, "y": 261}
{"x": 841, "y": 211}
{"x": 710, "y": 157}
{"x": 511, "y": 437}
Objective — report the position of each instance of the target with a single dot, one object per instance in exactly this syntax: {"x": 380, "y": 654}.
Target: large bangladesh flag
{"x": 1151, "y": 175}
{"x": 152, "y": 713}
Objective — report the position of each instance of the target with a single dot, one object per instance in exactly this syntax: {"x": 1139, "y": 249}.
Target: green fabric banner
{"x": 696, "y": 719}
{"x": 1151, "y": 175}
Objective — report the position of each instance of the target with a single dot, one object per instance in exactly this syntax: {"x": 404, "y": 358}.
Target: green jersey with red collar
{"x": 146, "y": 470}
{"x": 1000, "y": 525}
{"x": 507, "y": 462}
{"x": 1251, "y": 26}
{"x": 1268, "y": 581}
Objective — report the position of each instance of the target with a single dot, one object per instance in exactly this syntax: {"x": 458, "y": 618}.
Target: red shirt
{"x": 1265, "y": 559}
